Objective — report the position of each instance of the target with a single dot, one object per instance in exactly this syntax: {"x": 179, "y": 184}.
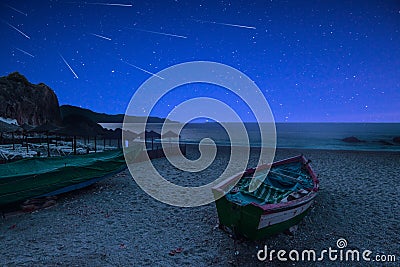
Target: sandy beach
{"x": 115, "y": 223}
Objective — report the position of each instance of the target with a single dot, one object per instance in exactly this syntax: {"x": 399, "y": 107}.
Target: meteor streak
{"x": 226, "y": 24}
{"x": 101, "y": 36}
{"x": 110, "y": 4}
{"x": 146, "y": 71}
{"x": 19, "y": 11}
{"x": 23, "y": 51}
{"x": 161, "y": 33}
{"x": 66, "y": 63}
{"x": 18, "y": 30}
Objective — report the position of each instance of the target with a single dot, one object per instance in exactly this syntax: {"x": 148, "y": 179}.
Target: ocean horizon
{"x": 300, "y": 135}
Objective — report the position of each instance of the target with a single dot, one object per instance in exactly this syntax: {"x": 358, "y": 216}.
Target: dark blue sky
{"x": 332, "y": 61}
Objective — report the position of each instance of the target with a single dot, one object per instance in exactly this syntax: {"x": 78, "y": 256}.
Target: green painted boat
{"x": 39, "y": 177}
{"x": 280, "y": 202}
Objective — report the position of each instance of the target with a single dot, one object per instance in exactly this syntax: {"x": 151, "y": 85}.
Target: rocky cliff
{"x": 27, "y": 102}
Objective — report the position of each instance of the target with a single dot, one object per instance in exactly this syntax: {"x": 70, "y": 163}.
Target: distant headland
{"x": 37, "y": 104}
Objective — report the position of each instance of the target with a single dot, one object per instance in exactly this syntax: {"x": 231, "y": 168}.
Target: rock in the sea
{"x": 352, "y": 139}
{"x": 386, "y": 143}
{"x": 396, "y": 139}
{"x": 26, "y": 102}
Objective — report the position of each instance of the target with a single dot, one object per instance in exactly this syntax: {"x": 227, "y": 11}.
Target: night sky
{"x": 321, "y": 61}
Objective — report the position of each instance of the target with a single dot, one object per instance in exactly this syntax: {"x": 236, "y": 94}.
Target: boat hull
{"x": 53, "y": 176}
{"x": 254, "y": 223}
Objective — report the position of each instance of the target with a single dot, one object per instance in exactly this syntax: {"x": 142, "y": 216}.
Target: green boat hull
{"x": 244, "y": 220}
{"x": 35, "y": 177}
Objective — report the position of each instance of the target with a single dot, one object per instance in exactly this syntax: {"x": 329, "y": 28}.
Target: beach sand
{"x": 115, "y": 223}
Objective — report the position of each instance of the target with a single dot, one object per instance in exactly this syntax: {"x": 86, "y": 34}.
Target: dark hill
{"x": 67, "y": 110}
{"x": 26, "y": 102}
{"x": 36, "y": 105}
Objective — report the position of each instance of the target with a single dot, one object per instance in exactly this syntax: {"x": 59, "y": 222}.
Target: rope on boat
{"x": 286, "y": 176}
{"x": 286, "y": 170}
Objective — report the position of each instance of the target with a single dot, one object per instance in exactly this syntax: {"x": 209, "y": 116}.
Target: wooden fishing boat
{"x": 280, "y": 202}
{"x": 39, "y": 177}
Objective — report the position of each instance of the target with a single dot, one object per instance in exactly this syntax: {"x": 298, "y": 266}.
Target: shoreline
{"x": 341, "y": 150}
{"x": 311, "y": 149}
{"x": 301, "y": 148}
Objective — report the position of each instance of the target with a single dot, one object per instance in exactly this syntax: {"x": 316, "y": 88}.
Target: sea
{"x": 374, "y": 136}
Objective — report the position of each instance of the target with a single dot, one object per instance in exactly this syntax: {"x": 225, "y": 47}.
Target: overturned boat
{"x": 280, "y": 202}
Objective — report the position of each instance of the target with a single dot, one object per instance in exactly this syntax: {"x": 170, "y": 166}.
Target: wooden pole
{"x": 27, "y": 145}
{"x": 104, "y": 143}
{"x": 95, "y": 144}
{"x": 13, "y": 140}
{"x": 48, "y": 145}
{"x": 74, "y": 142}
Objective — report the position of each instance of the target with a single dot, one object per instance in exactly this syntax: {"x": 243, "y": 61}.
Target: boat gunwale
{"x": 92, "y": 159}
{"x": 272, "y": 208}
